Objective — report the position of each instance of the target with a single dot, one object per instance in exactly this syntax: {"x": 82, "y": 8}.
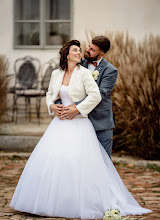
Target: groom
{"x": 105, "y": 76}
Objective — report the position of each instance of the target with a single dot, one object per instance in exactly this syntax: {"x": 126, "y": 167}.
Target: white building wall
{"x": 138, "y": 17}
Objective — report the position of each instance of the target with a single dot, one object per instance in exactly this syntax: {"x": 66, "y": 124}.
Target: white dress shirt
{"x": 91, "y": 67}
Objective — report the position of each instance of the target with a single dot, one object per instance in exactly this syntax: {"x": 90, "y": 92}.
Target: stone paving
{"x": 142, "y": 182}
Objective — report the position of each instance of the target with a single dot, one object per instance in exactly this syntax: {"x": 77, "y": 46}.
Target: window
{"x": 42, "y": 23}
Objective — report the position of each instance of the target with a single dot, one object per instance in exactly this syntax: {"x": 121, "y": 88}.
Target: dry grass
{"x": 3, "y": 84}
{"x": 136, "y": 96}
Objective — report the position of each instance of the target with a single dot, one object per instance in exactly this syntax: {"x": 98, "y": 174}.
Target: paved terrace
{"x": 141, "y": 177}
{"x": 143, "y": 182}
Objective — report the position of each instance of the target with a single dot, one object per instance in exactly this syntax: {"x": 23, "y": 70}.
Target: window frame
{"x": 42, "y": 21}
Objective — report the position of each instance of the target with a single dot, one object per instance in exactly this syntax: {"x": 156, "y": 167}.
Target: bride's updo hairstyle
{"x": 64, "y": 51}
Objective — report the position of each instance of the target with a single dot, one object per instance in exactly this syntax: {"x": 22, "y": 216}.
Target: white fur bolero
{"x": 82, "y": 87}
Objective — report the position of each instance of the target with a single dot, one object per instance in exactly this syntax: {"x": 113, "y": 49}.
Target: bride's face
{"x": 75, "y": 54}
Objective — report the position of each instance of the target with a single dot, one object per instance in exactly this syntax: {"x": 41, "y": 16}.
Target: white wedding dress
{"x": 70, "y": 175}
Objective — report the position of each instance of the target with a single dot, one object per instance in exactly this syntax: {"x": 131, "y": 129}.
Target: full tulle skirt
{"x": 70, "y": 175}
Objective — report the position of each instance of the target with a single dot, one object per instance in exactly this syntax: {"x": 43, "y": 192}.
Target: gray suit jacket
{"x": 102, "y": 115}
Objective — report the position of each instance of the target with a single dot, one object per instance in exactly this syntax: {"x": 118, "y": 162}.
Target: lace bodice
{"x": 64, "y": 96}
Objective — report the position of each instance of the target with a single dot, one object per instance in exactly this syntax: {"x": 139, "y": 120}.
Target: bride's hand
{"x": 69, "y": 112}
{"x": 72, "y": 105}
{"x": 57, "y": 109}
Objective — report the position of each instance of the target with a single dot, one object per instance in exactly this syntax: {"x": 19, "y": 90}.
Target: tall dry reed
{"x": 136, "y": 96}
{"x": 3, "y": 84}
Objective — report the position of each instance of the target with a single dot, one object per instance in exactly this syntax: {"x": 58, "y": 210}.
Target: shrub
{"x": 136, "y": 96}
{"x": 3, "y": 84}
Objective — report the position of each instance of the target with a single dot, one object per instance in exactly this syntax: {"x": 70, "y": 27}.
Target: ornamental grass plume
{"x": 136, "y": 96}
{"x": 3, "y": 84}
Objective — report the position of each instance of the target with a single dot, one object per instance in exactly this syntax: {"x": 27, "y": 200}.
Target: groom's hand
{"x": 69, "y": 112}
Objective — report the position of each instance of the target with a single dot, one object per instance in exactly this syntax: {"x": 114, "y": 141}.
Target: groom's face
{"x": 92, "y": 52}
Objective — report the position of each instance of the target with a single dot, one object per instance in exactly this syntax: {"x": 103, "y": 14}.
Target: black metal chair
{"x": 26, "y": 80}
{"x": 46, "y": 72}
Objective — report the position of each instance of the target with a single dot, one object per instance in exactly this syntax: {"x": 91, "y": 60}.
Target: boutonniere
{"x": 95, "y": 74}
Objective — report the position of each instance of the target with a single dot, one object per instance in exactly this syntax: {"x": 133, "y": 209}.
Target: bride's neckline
{"x": 64, "y": 85}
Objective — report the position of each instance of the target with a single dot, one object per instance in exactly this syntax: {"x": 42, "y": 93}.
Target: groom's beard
{"x": 89, "y": 58}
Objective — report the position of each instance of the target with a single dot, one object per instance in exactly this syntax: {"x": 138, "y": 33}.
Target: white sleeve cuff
{"x": 49, "y": 110}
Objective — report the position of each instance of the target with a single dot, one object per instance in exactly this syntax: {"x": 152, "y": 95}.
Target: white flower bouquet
{"x": 113, "y": 214}
{"x": 95, "y": 74}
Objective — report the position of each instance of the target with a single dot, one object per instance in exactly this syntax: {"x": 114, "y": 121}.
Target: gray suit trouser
{"x": 106, "y": 139}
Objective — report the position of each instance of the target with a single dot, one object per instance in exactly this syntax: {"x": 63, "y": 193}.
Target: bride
{"x": 69, "y": 174}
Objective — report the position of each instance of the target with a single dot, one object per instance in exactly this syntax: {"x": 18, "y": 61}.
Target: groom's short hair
{"x": 102, "y": 42}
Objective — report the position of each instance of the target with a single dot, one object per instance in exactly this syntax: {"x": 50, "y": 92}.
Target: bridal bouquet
{"x": 113, "y": 214}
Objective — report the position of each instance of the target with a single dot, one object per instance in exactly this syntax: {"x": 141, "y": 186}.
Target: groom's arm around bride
{"x": 105, "y": 75}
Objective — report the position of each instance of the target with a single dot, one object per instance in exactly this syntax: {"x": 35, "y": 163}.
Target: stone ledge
{"x": 18, "y": 143}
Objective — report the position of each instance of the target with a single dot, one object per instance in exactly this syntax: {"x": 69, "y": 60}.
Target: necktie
{"x": 94, "y": 63}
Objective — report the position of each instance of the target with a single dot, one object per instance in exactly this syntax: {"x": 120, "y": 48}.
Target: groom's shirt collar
{"x": 91, "y": 67}
{"x": 98, "y": 61}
